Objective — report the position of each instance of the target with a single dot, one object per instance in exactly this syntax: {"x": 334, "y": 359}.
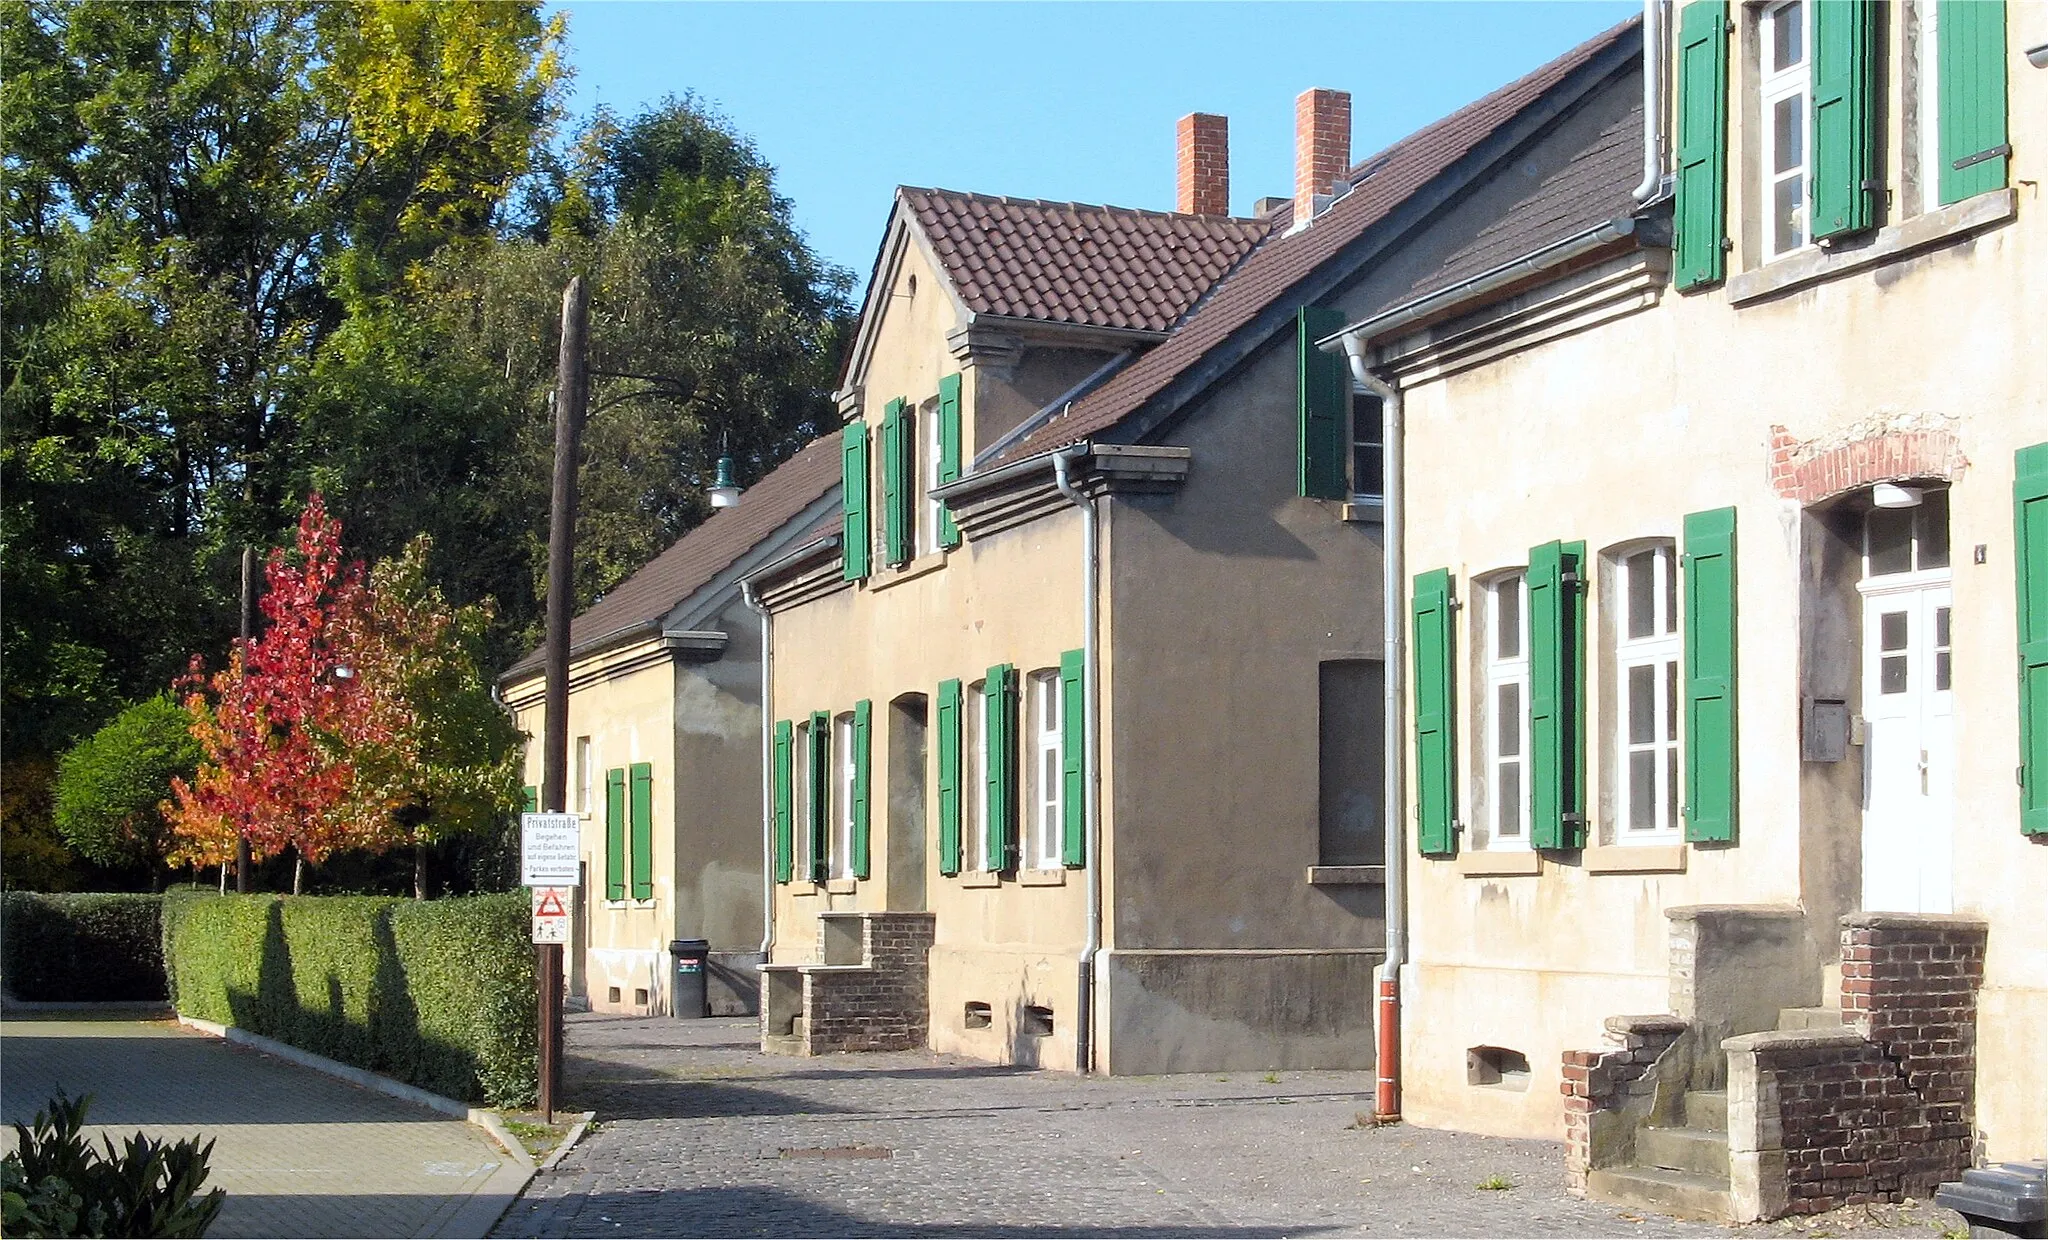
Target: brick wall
{"x": 1204, "y": 147}
{"x": 1608, "y": 1093}
{"x": 1322, "y": 146}
{"x": 881, "y": 1004}
{"x": 1808, "y": 473}
{"x": 1881, "y": 1110}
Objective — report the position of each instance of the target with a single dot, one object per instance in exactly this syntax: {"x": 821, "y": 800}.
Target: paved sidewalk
{"x": 301, "y": 1154}
{"x": 701, "y": 1135}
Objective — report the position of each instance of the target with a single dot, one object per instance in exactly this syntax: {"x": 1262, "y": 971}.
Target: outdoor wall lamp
{"x": 1891, "y": 495}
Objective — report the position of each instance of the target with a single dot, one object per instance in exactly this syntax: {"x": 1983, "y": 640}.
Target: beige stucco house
{"x": 1727, "y": 535}
{"x": 1076, "y": 720}
{"x": 665, "y": 751}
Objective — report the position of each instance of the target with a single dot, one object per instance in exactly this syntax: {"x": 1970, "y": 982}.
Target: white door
{"x": 1909, "y": 747}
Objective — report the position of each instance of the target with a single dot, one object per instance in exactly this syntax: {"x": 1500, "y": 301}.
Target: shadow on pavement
{"x": 759, "y": 1210}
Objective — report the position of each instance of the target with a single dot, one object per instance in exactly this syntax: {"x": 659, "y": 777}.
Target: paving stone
{"x": 300, "y": 1154}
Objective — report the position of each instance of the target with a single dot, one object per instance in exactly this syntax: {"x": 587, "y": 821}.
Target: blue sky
{"x": 1065, "y": 100}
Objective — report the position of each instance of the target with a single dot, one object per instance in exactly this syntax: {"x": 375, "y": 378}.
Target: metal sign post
{"x": 548, "y": 851}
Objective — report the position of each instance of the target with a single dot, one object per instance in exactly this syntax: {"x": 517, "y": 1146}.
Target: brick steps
{"x": 1686, "y": 1194}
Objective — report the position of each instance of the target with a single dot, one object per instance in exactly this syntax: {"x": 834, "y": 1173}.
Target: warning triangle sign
{"x": 550, "y": 904}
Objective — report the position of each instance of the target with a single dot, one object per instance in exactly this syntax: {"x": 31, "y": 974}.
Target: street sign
{"x": 551, "y": 914}
{"x": 548, "y": 849}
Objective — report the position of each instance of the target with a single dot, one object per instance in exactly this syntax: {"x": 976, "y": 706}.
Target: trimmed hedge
{"x": 437, "y": 993}
{"x": 81, "y": 948}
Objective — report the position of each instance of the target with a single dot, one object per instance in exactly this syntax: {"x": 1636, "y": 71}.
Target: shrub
{"x": 109, "y": 786}
{"x": 57, "y": 1184}
{"x": 436, "y": 993}
{"x": 81, "y": 948}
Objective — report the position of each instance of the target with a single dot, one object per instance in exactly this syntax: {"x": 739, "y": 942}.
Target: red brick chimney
{"x": 1322, "y": 147}
{"x": 1204, "y": 164}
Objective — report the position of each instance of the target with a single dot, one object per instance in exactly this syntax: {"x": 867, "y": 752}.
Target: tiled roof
{"x": 700, "y": 555}
{"x": 1062, "y": 262}
{"x": 1380, "y": 184}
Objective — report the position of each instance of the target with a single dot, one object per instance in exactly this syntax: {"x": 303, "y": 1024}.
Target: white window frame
{"x": 929, "y": 510}
{"x": 1658, "y": 651}
{"x": 1929, "y": 118}
{"x": 974, "y": 754}
{"x": 840, "y": 760}
{"x": 800, "y": 801}
{"x": 1776, "y": 86}
{"x": 1364, "y": 403}
{"x": 1048, "y": 767}
{"x": 1499, "y": 672}
{"x": 584, "y": 766}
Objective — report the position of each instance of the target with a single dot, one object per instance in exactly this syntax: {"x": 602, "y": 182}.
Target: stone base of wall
{"x": 732, "y": 983}
{"x": 1237, "y": 1011}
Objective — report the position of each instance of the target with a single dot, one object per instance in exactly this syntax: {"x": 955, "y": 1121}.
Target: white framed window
{"x": 842, "y": 797}
{"x": 1504, "y": 711}
{"x": 1899, "y": 542}
{"x": 974, "y": 795}
{"x": 1047, "y": 783}
{"x": 1644, "y": 613}
{"x": 800, "y": 802}
{"x": 926, "y": 453}
{"x": 584, "y": 767}
{"x": 1784, "y": 38}
{"x": 1368, "y": 450}
{"x": 1928, "y": 112}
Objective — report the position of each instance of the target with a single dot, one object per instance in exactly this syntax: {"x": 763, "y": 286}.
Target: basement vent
{"x": 640, "y": 996}
{"x": 1497, "y": 1067}
{"x": 612, "y": 994}
{"x": 978, "y": 1016}
{"x": 1038, "y": 1021}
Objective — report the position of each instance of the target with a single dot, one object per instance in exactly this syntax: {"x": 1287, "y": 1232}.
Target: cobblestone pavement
{"x": 701, "y": 1135}
{"x": 300, "y": 1154}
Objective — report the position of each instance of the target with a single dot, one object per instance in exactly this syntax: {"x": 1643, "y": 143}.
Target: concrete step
{"x": 1699, "y": 1150}
{"x": 1687, "y": 1194}
{"x": 1810, "y": 1018}
{"x": 1707, "y": 1108}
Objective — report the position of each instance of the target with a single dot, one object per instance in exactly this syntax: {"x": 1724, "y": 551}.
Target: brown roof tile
{"x": 1063, "y": 262}
{"x": 1380, "y": 184}
{"x": 700, "y": 555}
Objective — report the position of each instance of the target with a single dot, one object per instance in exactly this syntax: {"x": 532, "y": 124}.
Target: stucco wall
{"x": 1616, "y": 433}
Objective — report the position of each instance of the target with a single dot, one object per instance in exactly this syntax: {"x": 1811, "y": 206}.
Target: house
{"x": 1077, "y": 717}
{"x": 665, "y": 761}
{"x": 1728, "y": 534}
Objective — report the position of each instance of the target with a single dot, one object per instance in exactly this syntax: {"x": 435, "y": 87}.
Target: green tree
{"x": 111, "y": 786}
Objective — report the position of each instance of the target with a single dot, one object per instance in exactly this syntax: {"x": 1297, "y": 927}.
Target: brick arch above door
{"x": 1808, "y": 473}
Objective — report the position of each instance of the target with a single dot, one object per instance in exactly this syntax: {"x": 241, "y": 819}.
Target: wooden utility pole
{"x": 572, "y": 391}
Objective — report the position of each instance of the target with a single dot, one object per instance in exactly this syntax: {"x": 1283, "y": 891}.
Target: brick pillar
{"x": 1204, "y": 144}
{"x": 1322, "y": 147}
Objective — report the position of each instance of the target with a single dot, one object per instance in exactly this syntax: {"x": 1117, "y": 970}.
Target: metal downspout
{"x": 767, "y": 771}
{"x": 1652, "y": 187}
{"x": 1393, "y": 620}
{"x": 1091, "y": 767}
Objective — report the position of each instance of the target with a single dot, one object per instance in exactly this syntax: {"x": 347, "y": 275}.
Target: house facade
{"x": 665, "y": 760}
{"x": 1729, "y": 538}
{"x": 1076, "y": 720}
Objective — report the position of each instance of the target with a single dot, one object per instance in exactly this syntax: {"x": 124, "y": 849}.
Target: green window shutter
{"x": 1073, "y": 758}
{"x": 785, "y": 819}
{"x": 863, "y": 712}
{"x": 615, "y": 834}
{"x": 1557, "y": 741}
{"x": 1970, "y": 45}
{"x": 529, "y": 799}
{"x": 1322, "y": 390}
{"x": 2030, "y": 520}
{"x": 1846, "y": 186}
{"x": 1702, "y": 187}
{"x": 896, "y": 486}
{"x": 1436, "y": 743}
{"x": 949, "y": 777}
{"x": 820, "y": 759}
{"x": 1709, "y": 636}
{"x": 999, "y": 723}
{"x": 949, "y": 452}
{"x": 641, "y": 823}
{"x": 853, "y": 484}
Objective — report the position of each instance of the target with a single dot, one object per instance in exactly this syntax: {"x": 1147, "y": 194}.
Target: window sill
{"x": 841, "y": 886}
{"x": 1367, "y": 510}
{"x": 1506, "y": 863}
{"x": 918, "y": 567}
{"x": 629, "y": 906}
{"x": 1888, "y": 244}
{"x": 802, "y": 888}
{"x": 1347, "y": 876}
{"x": 1636, "y": 859}
{"x": 1041, "y": 878}
{"x": 980, "y": 878}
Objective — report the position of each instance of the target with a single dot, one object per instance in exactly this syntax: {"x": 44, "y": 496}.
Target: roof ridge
{"x": 1013, "y": 200}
